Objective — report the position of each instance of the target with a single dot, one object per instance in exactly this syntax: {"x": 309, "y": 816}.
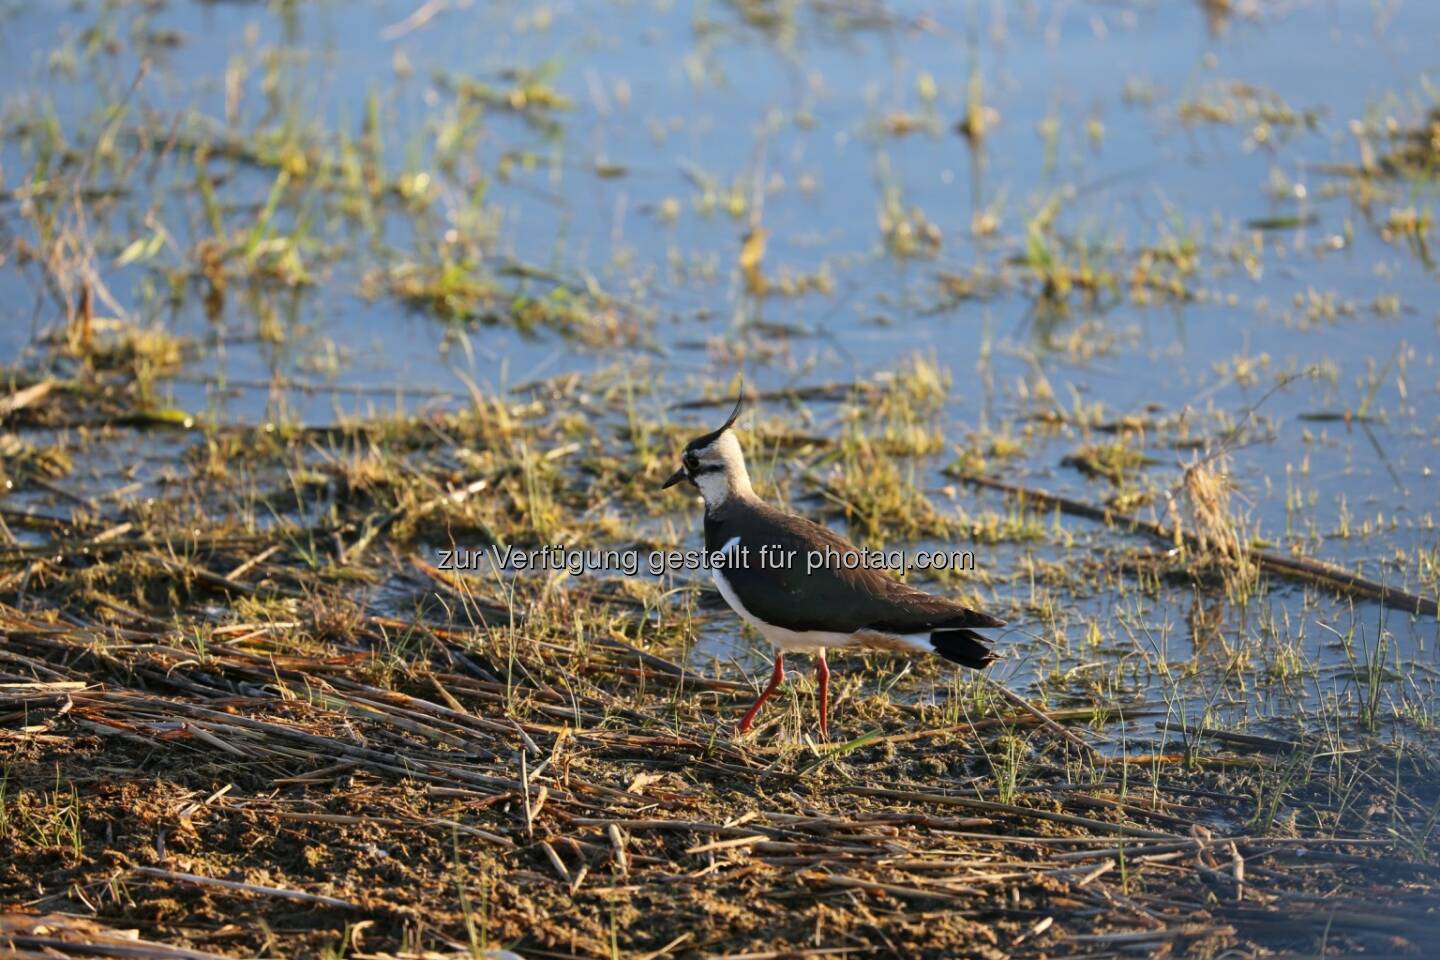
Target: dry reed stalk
{"x": 941, "y": 799}
{"x": 1045, "y": 721}
{"x": 177, "y": 877}
{"x": 47, "y": 936}
{"x": 1294, "y": 568}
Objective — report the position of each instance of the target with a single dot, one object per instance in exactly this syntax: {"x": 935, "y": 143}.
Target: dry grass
{"x": 218, "y": 737}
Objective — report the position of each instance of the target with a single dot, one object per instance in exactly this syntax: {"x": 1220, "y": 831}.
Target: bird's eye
{"x": 692, "y": 462}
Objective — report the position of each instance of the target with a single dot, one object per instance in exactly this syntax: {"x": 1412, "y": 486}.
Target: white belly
{"x": 779, "y": 636}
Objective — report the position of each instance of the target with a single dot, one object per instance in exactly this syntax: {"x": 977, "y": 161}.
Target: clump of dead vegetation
{"x": 1117, "y": 462}
{"x": 1207, "y": 489}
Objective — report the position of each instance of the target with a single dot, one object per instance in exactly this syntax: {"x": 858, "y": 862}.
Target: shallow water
{"x": 1144, "y": 125}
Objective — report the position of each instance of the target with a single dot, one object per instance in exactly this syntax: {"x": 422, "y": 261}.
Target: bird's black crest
{"x": 712, "y": 436}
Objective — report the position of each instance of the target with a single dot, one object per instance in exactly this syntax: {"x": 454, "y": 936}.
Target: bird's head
{"x": 714, "y": 463}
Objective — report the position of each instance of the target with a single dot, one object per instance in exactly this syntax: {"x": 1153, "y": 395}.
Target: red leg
{"x": 776, "y": 679}
{"x": 822, "y": 670}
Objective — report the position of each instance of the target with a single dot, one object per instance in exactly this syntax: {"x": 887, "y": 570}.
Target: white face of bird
{"x": 718, "y": 469}
{"x": 715, "y": 464}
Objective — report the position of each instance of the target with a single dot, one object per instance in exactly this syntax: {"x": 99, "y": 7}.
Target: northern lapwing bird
{"x": 765, "y": 577}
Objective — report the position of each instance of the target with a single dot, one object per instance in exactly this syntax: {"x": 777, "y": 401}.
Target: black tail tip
{"x": 965, "y": 647}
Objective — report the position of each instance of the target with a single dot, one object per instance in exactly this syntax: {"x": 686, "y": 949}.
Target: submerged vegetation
{"x": 302, "y": 302}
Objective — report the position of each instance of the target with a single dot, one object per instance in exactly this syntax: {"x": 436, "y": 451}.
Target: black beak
{"x": 675, "y": 478}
